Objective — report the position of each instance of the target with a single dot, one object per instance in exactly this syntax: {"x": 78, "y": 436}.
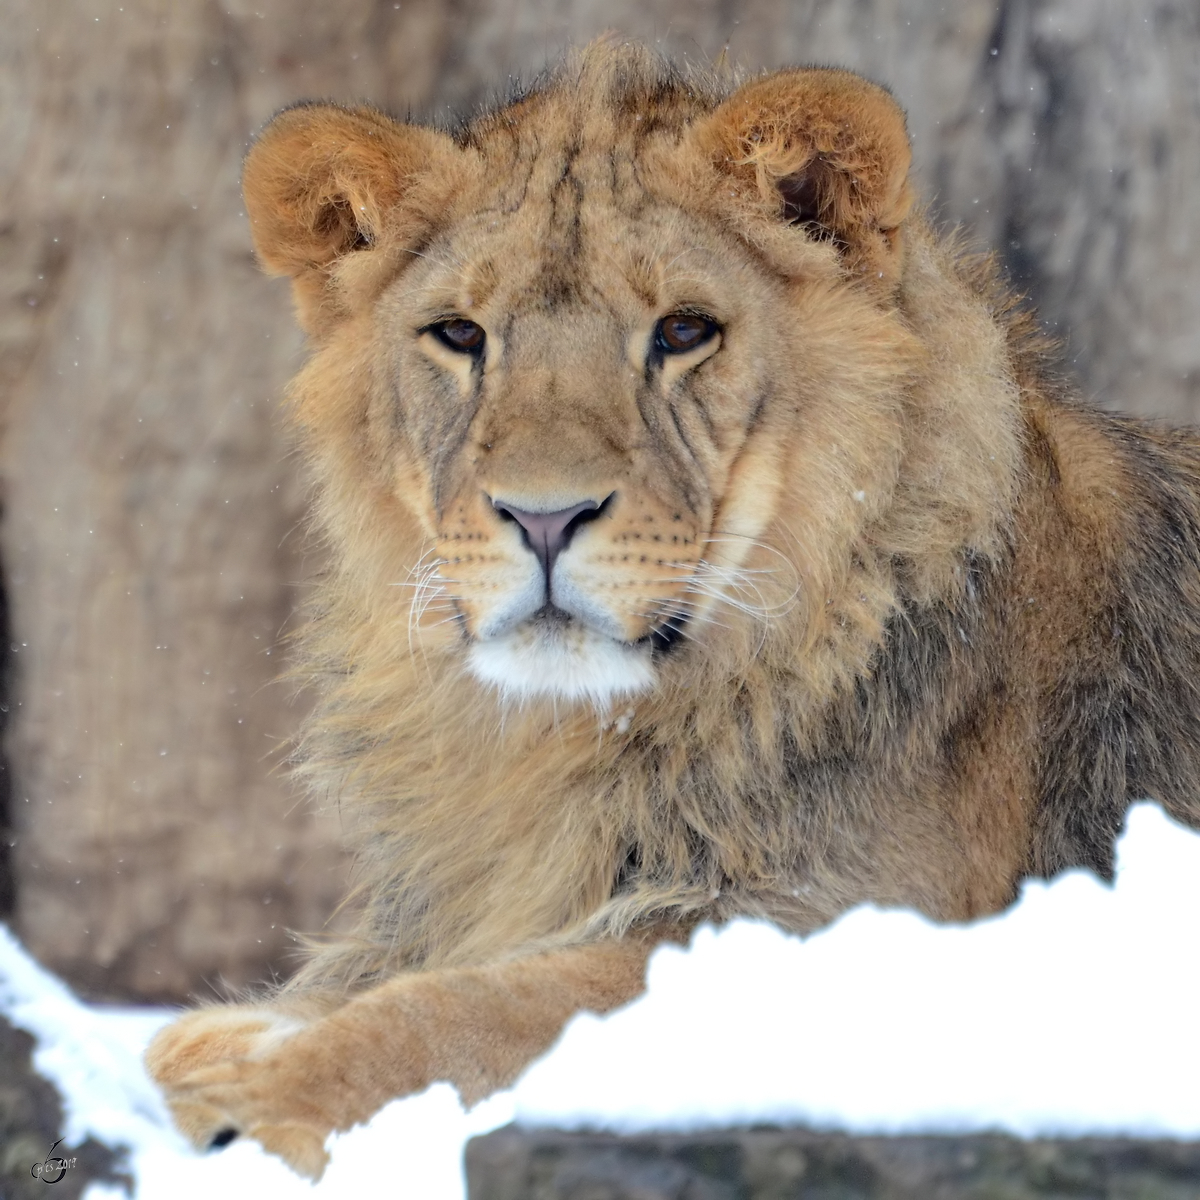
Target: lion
{"x": 709, "y": 537}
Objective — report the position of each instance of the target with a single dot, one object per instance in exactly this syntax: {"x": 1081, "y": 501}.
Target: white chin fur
{"x": 567, "y": 663}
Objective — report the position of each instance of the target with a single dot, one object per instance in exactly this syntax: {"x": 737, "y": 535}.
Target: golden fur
{"x": 864, "y": 609}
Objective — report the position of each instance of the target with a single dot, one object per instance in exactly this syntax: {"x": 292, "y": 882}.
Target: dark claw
{"x": 222, "y": 1138}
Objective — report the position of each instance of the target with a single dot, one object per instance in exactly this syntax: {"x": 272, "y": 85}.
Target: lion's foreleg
{"x": 229, "y": 1071}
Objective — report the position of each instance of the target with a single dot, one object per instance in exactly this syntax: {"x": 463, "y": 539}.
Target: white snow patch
{"x": 1069, "y": 1014}
{"x": 93, "y": 1055}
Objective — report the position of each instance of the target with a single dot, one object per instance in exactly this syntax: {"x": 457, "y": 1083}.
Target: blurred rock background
{"x": 149, "y": 541}
{"x": 801, "y": 1164}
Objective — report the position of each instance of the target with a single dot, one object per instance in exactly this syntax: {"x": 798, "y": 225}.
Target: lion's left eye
{"x": 460, "y": 334}
{"x": 677, "y": 333}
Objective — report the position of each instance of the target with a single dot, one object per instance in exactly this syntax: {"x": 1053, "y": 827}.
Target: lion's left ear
{"x": 829, "y": 150}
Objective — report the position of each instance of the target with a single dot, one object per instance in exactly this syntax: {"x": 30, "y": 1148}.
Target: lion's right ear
{"x": 324, "y": 181}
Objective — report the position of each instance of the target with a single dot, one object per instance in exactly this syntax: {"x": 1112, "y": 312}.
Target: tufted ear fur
{"x": 829, "y": 151}
{"x": 323, "y": 181}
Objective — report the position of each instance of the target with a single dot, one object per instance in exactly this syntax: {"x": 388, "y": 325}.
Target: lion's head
{"x": 618, "y": 374}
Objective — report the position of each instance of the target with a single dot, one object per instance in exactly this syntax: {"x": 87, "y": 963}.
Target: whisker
{"x": 687, "y": 628}
{"x": 420, "y": 583}
{"x": 428, "y": 594}
{"x": 453, "y": 618}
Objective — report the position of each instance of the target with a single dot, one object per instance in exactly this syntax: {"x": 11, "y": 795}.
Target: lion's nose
{"x": 549, "y": 533}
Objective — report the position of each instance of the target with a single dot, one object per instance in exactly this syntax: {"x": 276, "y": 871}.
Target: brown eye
{"x": 678, "y": 333}
{"x": 460, "y": 334}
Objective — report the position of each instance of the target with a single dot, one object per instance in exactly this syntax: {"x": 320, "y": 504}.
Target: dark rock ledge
{"x": 31, "y": 1121}
{"x": 800, "y": 1164}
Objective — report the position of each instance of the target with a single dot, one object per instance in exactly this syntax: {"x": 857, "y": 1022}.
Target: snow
{"x": 93, "y": 1056}
{"x": 1069, "y": 1014}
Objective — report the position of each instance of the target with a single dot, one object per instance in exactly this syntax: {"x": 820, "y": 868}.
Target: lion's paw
{"x": 212, "y": 1035}
{"x": 221, "y": 1081}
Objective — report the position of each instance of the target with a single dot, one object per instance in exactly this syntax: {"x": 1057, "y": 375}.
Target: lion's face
{"x": 578, "y": 412}
{"x": 587, "y": 381}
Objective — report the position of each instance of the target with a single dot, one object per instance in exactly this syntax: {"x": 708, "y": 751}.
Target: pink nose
{"x": 547, "y": 534}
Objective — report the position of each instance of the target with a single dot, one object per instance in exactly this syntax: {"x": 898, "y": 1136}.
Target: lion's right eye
{"x": 680, "y": 332}
{"x": 460, "y": 334}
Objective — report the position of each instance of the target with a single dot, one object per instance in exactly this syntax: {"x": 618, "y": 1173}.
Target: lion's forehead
{"x": 597, "y": 249}
{"x": 569, "y": 210}
{"x": 597, "y": 138}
